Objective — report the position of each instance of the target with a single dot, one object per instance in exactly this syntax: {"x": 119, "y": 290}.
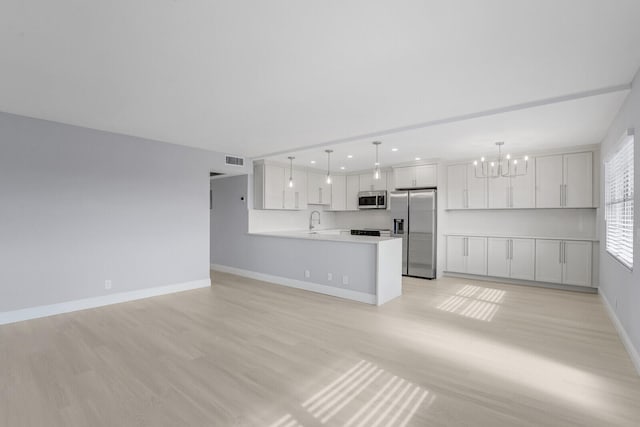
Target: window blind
{"x": 619, "y": 203}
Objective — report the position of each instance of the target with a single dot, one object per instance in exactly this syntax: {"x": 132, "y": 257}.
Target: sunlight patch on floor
{"x": 364, "y": 395}
{"x": 474, "y": 302}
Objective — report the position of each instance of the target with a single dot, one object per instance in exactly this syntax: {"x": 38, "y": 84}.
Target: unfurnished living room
{"x": 332, "y": 213}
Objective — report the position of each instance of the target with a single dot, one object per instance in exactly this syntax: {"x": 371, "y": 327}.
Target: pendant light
{"x": 328, "y": 165}
{"x": 290, "y": 171}
{"x": 376, "y": 169}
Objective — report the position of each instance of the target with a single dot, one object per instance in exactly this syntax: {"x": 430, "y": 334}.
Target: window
{"x": 618, "y": 172}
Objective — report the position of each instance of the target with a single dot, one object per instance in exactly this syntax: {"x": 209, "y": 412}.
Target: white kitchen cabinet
{"x": 578, "y": 180}
{"x": 404, "y": 177}
{"x": 522, "y": 259}
{"x": 268, "y": 186}
{"x": 548, "y": 261}
{"x": 514, "y": 191}
{"x": 513, "y": 258}
{"x": 576, "y": 267}
{"x": 464, "y": 189}
{"x": 564, "y": 261}
{"x": 415, "y": 176}
{"x": 564, "y": 180}
{"x": 456, "y": 254}
{"x": 467, "y": 255}
{"x": 353, "y": 187}
{"x": 295, "y": 197}
{"x": 318, "y": 191}
{"x": 338, "y": 193}
{"x": 367, "y": 183}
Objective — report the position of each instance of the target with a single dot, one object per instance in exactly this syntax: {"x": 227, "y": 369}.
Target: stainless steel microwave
{"x": 372, "y": 199}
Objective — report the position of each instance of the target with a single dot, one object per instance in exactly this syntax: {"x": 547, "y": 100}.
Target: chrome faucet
{"x": 311, "y": 227}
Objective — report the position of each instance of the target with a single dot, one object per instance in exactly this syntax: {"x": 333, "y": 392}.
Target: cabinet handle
{"x": 564, "y": 252}
{"x": 507, "y": 242}
{"x": 565, "y": 195}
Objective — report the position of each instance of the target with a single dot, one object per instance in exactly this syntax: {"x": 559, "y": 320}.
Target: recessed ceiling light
{"x": 417, "y": 158}
{"x": 350, "y": 156}
{"x": 394, "y": 149}
{"x": 313, "y": 162}
{"x": 342, "y": 167}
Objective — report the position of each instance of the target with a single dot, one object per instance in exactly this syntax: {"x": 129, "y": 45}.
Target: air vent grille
{"x": 234, "y": 161}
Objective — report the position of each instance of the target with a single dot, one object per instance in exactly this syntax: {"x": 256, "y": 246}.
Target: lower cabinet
{"x": 513, "y": 258}
{"x": 467, "y": 255}
{"x": 564, "y": 261}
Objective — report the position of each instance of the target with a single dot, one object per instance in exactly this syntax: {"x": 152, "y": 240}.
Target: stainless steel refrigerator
{"x": 413, "y": 215}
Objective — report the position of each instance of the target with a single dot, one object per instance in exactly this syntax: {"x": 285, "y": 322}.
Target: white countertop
{"x": 511, "y": 236}
{"x": 324, "y": 235}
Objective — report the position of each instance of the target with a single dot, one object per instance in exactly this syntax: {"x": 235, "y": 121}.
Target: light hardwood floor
{"x": 450, "y": 352}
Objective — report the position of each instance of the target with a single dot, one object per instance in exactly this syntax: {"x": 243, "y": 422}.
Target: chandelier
{"x": 500, "y": 167}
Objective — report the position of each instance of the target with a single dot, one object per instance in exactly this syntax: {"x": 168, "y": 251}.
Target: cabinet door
{"x": 523, "y": 187}
{"x": 366, "y": 182}
{"x": 426, "y": 176}
{"x": 477, "y": 255}
{"x": 298, "y": 194}
{"x": 548, "y": 181}
{"x": 576, "y": 265}
{"x": 498, "y": 257}
{"x": 314, "y": 184}
{"x": 548, "y": 261}
{"x": 405, "y": 177}
{"x": 523, "y": 259}
{"x": 325, "y": 190}
{"x": 353, "y": 186}
{"x": 273, "y": 187}
{"x": 338, "y": 193}
{"x": 499, "y": 193}
{"x": 476, "y": 189}
{"x": 578, "y": 180}
{"x": 456, "y": 186}
{"x": 456, "y": 250}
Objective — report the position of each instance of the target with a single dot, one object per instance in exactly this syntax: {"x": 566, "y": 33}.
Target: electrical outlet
{"x": 329, "y": 276}
{"x": 107, "y": 284}
{"x": 345, "y": 280}
{"x": 307, "y": 274}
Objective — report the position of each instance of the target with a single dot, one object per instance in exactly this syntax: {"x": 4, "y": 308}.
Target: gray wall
{"x": 79, "y": 206}
{"x": 284, "y": 257}
{"x": 620, "y": 286}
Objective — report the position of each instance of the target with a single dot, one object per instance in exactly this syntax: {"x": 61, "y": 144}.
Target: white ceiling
{"x": 256, "y": 77}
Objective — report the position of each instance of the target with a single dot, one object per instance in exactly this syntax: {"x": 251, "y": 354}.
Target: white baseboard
{"x": 83, "y": 304}
{"x": 626, "y": 341}
{"x": 298, "y": 284}
{"x": 509, "y": 281}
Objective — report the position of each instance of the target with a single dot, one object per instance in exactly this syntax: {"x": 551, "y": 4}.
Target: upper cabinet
{"x": 464, "y": 189}
{"x": 296, "y": 197}
{"x": 318, "y": 191}
{"x": 272, "y": 191}
{"x": 352, "y": 189}
{"x": 367, "y": 183}
{"x": 564, "y": 181}
{"x": 513, "y": 192}
{"x": 338, "y": 193}
{"x": 415, "y": 176}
